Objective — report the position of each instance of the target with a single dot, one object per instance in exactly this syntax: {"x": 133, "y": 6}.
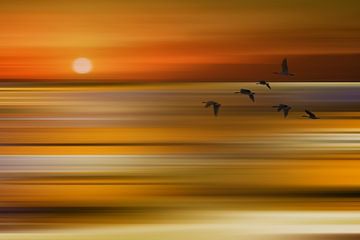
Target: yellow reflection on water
{"x": 112, "y": 156}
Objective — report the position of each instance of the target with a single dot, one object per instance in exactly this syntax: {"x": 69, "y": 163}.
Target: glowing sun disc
{"x": 82, "y": 65}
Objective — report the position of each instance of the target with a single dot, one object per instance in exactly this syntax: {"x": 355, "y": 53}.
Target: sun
{"x": 82, "y": 65}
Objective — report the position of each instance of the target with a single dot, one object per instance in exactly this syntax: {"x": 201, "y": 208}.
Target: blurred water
{"x": 99, "y": 155}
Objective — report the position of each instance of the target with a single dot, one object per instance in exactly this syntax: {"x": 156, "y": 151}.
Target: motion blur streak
{"x": 122, "y": 160}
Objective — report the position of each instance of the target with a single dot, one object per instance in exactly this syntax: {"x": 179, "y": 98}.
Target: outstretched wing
{"x": 284, "y": 66}
{"x": 277, "y": 107}
{"x": 286, "y": 111}
{"x": 208, "y": 104}
{"x": 216, "y": 108}
{"x": 310, "y": 113}
{"x": 245, "y": 91}
{"x": 251, "y": 96}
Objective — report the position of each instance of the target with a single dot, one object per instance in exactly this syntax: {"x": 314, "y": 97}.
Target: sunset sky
{"x": 180, "y": 40}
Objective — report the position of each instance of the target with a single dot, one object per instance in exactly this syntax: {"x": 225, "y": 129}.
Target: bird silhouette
{"x": 265, "y": 83}
{"x": 284, "y": 69}
{"x": 216, "y": 106}
{"x": 284, "y": 108}
{"x": 248, "y": 93}
{"x": 310, "y": 115}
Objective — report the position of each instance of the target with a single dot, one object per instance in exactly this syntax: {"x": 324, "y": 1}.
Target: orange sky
{"x": 180, "y": 40}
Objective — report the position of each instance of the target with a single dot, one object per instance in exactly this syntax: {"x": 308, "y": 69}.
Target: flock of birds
{"x": 280, "y": 108}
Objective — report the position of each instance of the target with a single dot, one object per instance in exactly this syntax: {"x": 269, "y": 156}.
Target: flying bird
{"x": 284, "y": 69}
{"x": 284, "y": 108}
{"x": 310, "y": 115}
{"x": 248, "y": 93}
{"x": 216, "y": 106}
{"x": 265, "y": 83}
